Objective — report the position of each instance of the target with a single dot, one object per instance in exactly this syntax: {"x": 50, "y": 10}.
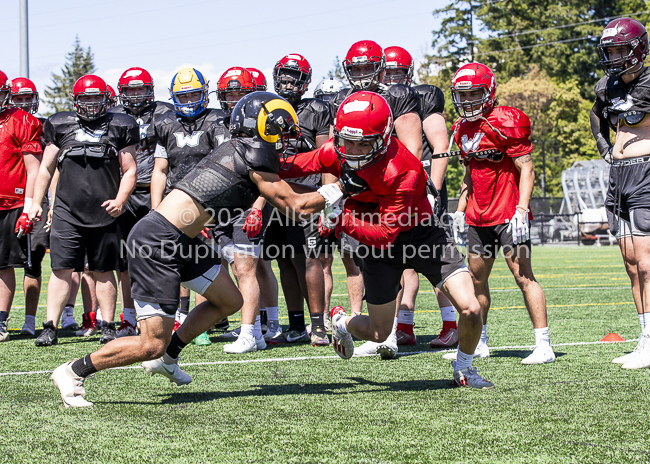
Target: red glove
{"x": 253, "y": 224}
{"x": 24, "y": 225}
{"x": 206, "y": 233}
{"x": 322, "y": 230}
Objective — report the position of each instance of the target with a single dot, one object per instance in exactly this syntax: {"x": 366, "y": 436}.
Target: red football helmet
{"x": 292, "y": 70}
{"x": 474, "y": 76}
{"x": 112, "y": 96}
{"x": 259, "y": 78}
{"x": 89, "y": 87}
{"x": 623, "y": 32}
{"x": 5, "y": 90}
{"x": 235, "y": 79}
{"x": 21, "y": 88}
{"x": 365, "y": 52}
{"x": 363, "y": 117}
{"x": 137, "y": 78}
{"x": 399, "y": 66}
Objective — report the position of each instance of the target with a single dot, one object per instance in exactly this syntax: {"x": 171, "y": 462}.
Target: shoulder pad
{"x": 260, "y": 156}
{"x": 601, "y": 86}
{"x": 63, "y": 117}
{"x": 400, "y": 90}
{"x": 214, "y": 114}
{"x": 122, "y": 119}
{"x": 168, "y": 118}
{"x": 163, "y": 107}
{"x": 317, "y": 105}
{"x": 511, "y": 121}
{"x": 117, "y": 109}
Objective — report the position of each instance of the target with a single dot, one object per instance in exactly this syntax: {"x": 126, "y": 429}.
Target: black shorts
{"x": 70, "y": 243}
{"x": 344, "y": 244}
{"x": 231, "y": 235}
{"x": 629, "y": 190}
{"x": 161, "y": 257}
{"x": 285, "y": 239}
{"x": 486, "y": 241}
{"x": 427, "y": 249}
{"x": 40, "y": 243}
{"x": 137, "y": 207}
{"x": 444, "y": 197}
{"x": 13, "y": 252}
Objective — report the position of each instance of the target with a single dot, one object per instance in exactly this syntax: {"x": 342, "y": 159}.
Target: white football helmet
{"x": 327, "y": 88}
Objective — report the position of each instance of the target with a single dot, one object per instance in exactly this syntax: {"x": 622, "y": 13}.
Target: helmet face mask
{"x": 397, "y": 75}
{"x": 24, "y": 95}
{"x": 5, "y": 90}
{"x": 399, "y": 66}
{"x": 364, "y": 75}
{"x": 623, "y": 47}
{"x": 619, "y": 59}
{"x": 233, "y": 85}
{"x": 91, "y": 97}
{"x": 470, "y": 108}
{"x": 291, "y": 77}
{"x": 478, "y": 79}
{"x": 189, "y": 92}
{"x": 136, "y": 89}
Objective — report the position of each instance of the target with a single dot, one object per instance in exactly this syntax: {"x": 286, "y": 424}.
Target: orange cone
{"x": 612, "y": 337}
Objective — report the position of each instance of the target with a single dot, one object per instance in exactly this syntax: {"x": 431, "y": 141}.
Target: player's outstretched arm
{"x": 293, "y": 199}
{"x": 45, "y": 172}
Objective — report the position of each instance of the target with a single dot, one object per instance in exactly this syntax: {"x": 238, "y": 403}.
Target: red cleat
{"x": 446, "y": 339}
{"x": 405, "y": 338}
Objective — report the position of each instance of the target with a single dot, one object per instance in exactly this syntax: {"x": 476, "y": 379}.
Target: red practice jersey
{"x": 494, "y": 195}
{"x": 20, "y": 133}
{"x": 396, "y": 201}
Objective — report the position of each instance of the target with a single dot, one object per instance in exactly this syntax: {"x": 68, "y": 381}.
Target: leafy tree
{"x": 79, "y": 62}
{"x": 337, "y": 72}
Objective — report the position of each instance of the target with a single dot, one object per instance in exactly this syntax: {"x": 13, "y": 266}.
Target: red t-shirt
{"x": 494, "y": 195}
{"x": 20, "y": 133}
{"x": 396, "y": 201}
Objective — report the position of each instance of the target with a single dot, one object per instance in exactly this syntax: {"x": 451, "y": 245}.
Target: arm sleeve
{"x": 322, "y": 159}
{"x": 160, "y": 152}
{"x": 31, "y": 132}
{"x": 49, "y": 133}
{"x": 403, "y": 99}
{"x": 432, "y": 100}
{"x": 600, "y": 128}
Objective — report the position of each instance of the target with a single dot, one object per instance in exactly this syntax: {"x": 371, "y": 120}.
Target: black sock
{"x": 83, "y": 367}
{"x": 185, "y": 305}
{"x": 297, "y": 321}
{"x": 175, "y": 346}
{"x": 317, "y": 324}
{"x": 4, "y": 315}
{"x": 263, "y": 318}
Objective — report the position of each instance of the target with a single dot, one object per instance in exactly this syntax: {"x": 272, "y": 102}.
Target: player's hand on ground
{"x": 519, "y": 226}
{"x": 253, "y": 224}
{"x": 24, "y": 225}
{"x": 113, "y": 207}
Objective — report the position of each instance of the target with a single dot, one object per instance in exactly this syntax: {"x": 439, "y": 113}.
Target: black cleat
{"x": 49, "y": 336}
{"x": 223, "y": 324}
{"x": 108, "y": 332}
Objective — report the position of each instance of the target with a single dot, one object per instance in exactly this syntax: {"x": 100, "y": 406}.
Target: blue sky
{"x": 164, "y": 36}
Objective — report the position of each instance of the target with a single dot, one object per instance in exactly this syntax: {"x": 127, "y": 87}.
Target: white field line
{"x": 306, "y": 358}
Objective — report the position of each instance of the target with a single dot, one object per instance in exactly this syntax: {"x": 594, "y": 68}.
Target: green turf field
{"x": 299, "y": 404}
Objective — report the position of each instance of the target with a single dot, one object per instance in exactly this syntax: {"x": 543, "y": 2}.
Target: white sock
{"x": 463, "y": 360}
{"x": 392, "y": 332}
{"x": 257, "y": 328}
{"x": 30, "y": 320}
{"x": 484, "y": 334}
{"x": 247, "y": 330}
{"x": 129, "y": 316}
{"x": 98, "y": 315}
{"x": 448, "y": 313}
{"x": 405, "y": 316}
{"x": 272, "y": 314}
{"x": 642, "y": 320}
{"x": 341, "y": 325}
{"x": 542, "y": 337}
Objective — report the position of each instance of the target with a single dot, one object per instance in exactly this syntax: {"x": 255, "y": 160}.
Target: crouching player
{"x": 164, "y": 251}
{"x": 394, "y": 221}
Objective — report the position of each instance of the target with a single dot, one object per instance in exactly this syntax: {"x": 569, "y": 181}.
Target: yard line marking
{"x": 305, "y": 358}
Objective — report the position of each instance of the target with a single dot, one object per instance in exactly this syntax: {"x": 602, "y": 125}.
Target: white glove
{"x": 329, "y": 215}
{"x": 519, "y": 226}
{"x": 332, "y": 194}
{"x": 458, "y": 226}
{"x": 433, "y": 201}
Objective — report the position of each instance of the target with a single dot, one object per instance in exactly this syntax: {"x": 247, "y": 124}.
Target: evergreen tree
{"x": 79, "y": 62}
{"x": 337, "y": 72}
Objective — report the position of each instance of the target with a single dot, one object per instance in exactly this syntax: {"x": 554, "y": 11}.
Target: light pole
{"x": 24, "y": 40}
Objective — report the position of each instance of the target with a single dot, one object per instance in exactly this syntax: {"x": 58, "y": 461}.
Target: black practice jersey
{"x": 185, "y": 143}
{"x": 401, "y": 98}
{"x": 617, "y": 100}
{"x": 432, "y": 101}
{"x": 220, "y": 181}
{"x": 314, "y": 119}
{"x": 146, "y": 147}
{"x": 88, "y": 163}
{"x": 43, "y": 142}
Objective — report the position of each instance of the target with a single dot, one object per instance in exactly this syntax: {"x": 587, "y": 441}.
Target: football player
{"x": 94, "y": 153}
{"x": 295, "y": 244}
{"x": 136, "y": 89}
{"x": 184, "y": 138}
{"x": 495, "y": 194}
{"x": 25, "y": 96}
{"x": 20, "y": 154}
{"x": 622, "y": 104}
{"x": 259, "y": 78}
{"x": 164, "y": 250}
{"x": 112, "y": 96}
{"x": 327, "y": 88}
{"x": 392, "y": 216}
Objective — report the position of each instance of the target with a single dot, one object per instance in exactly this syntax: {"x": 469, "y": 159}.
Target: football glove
{"x": 351, "y": 184}
{"x": 458, "y": 226}
{"x": 253, "y": 224}
{"x": 519, "y": 226}
{"x": 24, "y": 226}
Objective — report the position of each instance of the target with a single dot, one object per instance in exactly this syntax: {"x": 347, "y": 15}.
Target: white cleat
{"x": 70, "y": 385}
{"x": 388, "y": 348}
{"x": 470, "y": 378}
{"x": 542, "y": 354}
{"x": 342, "y": 341}
{"x": 273, "y": 329}
{"x": 68, "y": 321}
{"x": 482, "y": 351}
{"x": 642, "y": 359}
{"x": 367, "y": 349}
{"x": 245, "y": 344}
{"x": 627, "y": 357}
{"x": 169, "y": 368}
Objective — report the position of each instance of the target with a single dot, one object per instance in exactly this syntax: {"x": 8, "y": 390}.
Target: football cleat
{"x": 223, "y": 324}
{"x": 68, "y": 321}
{"x": 319, "y": 339}
{"x": 245, "y": 344}
{"x": 639, "y": 347}
{"x": 169, "y": 368}
{"x": 108, "y": 332}
{"x": 126, "y": 329}
{"x": 202, "y": 340}
{"x": 404, "y": 338}
{"x": 273, "y": 329}
{"x": 367, "y": 349}
{"x": 542, "y": 354}
{"x": 291, "y": 336}
{"x": 470, "y": 378}
{"x": 49, "y": 335}
{"x": 342, "y": 341}
{"x": 232, "y": 335}
{"x": 4, "y": 333}
{"x": 446, "y": 339}
{"x": 89, "y": 325}
{"x": 642, "y": 358}
{"x": 388, "y": 348}
{"x": 70, "y": 385}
